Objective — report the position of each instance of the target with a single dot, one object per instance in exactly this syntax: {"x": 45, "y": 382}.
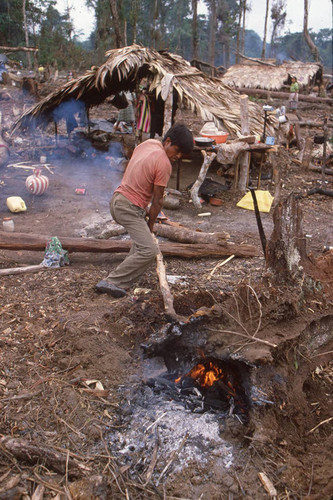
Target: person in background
{"x": 126, "y": 116}
{"x": 146, "y": 176}
{"x": 294, "y": 89}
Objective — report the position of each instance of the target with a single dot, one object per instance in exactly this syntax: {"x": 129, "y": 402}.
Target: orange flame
{"x": 204, "y": 374}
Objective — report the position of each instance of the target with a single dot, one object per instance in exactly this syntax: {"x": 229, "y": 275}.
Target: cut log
{"x": 184, "y": 235}
{"x": 284, "y": 95}
{"x": 36, "y": 242}
{"x": 32, "y": 453}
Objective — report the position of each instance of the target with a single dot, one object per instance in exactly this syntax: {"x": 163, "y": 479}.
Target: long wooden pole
{"x": 283, "y": 95}
{"x": 36, "y": 242}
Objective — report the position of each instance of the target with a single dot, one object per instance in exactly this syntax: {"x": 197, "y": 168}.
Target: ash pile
{"x": 170, "y": 423}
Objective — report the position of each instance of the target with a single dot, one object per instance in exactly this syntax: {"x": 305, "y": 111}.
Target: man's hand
{"x": 156, "y": 205}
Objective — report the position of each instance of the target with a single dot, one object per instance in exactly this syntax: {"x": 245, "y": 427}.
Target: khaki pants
{"x": 143, "y": 251}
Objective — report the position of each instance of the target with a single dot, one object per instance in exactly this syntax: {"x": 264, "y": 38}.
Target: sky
{"x": 320, "y": 16}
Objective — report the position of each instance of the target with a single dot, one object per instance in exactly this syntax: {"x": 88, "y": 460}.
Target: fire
{"x": 205, "y": 374}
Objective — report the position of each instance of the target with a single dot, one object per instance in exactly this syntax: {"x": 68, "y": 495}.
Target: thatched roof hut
{"x": 270, "y": 76}
{"x": 124, "y": 68}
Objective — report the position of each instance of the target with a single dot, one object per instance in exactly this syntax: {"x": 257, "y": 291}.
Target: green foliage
{"x": 162, "y": 24}
{"x": 293, "y": 46}
{"x": 11, "y": 23}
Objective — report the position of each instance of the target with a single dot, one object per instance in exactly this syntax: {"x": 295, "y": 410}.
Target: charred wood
{"x": 318, "y": 190}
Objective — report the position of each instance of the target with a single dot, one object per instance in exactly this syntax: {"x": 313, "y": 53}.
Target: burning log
{"x": 36, "y": 242}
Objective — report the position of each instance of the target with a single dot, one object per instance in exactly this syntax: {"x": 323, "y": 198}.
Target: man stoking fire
{"x": 146, "y": 176}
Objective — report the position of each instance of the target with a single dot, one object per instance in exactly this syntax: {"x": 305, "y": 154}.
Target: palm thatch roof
{"x": 124, "y": 68}
{"x": 270, "y": 76}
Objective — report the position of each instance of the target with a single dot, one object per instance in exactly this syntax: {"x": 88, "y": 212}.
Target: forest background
{"x": 218, "y": 37}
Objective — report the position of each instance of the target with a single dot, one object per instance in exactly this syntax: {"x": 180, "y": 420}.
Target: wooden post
{"x": 244, "y": 164}
{"x": 208, "y": 158}
{"x": 306, "y": 153}
{"x": 168, "y": 112}
{"x": 244, "y": 114}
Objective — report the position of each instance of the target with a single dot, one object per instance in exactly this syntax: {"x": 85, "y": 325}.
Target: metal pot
{"x": 203, "y": 142}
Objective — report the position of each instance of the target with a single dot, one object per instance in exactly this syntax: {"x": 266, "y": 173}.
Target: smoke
{"x": 73, "y": 112}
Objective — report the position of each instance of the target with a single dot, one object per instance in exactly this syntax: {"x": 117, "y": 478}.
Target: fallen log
{"x": 37, "y": 242}
{"x": 32, "y": 453}
{"x": 314, "y": 124}
{"x": 283, "y": 95}
{"x": 314, "y": 168}
{"x": 184, "y": 235}
{"x": 22, "y": 270}
{"x": 318, "y": 190}
{"x": 18, "y": 49}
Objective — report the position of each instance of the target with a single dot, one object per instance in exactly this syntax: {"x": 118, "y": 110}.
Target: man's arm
{"x": 156, "y": 205}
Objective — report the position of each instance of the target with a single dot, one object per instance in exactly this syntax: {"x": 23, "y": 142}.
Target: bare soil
{"x": 73, "y": 367}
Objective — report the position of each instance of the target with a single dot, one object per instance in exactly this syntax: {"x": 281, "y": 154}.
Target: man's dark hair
{"x": 180, "y": 136}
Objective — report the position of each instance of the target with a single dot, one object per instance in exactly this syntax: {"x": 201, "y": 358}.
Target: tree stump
{"x": 286, "y": 253}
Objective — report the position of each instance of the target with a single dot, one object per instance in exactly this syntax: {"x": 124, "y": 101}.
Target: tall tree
{"x": 212, "y": 31}
{"x": 116, "y": 23}
{"x": 195, "y": 38}
{"x": 226, "y": 29}
{"x": 263, "y": 53}
{"x": 239, "y": 25}
{"x": 278, "y": 15}
{"x": 26, "y": 32}
{"x": 134, "y": 18}
{"x": 242, "y": 43}
{"x": 308, "y": 39}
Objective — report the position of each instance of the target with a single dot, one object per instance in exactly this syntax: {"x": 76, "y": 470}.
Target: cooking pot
{"x": 203, "y": 142}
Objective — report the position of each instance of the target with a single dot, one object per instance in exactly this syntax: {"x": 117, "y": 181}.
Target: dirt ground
{"x": 74, "y": 364}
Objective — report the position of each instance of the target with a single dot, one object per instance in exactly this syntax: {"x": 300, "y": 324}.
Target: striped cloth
{"x": 144, "y": 117}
